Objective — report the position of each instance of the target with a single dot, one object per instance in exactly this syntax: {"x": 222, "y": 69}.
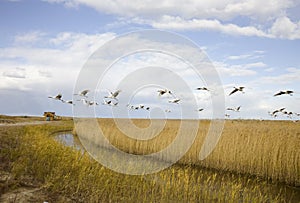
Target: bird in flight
{"x": 175, "y": 101}
{"x": 289, "y": 114}
{"x": 234, "y": 109}
{"x": 273, "y": 115}
{"x": 89, "y": 103}
{"x": 162, "y": 92}
{"x": 289, "y": 92}
{"x": 236, "y": 89}
{"x": 113, "y": 95}
{"x": 57, "y": 97}
{"x": 201, "y": 109}
{"x": 83, "y": 93}
{"x": 109, "y": 103}
{"x": 277, "y": 111}
{"x": 114, "y": 104}
{"x": 68, "y": 102}
{"x": 106, "y": 102}
{"x": 202, "y": 88}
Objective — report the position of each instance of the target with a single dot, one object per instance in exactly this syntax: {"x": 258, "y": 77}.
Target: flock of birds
{"x": 112, "y": 100}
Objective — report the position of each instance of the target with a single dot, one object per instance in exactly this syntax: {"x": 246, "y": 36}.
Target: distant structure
{"x": 50, "y": 116}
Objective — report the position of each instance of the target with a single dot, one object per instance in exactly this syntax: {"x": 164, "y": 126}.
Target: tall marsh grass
{"x": 269, "y": 149}
{"x": 72, "y": 173}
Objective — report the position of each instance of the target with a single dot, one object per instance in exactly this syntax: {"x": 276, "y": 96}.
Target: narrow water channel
{"x": 68, "y": 139}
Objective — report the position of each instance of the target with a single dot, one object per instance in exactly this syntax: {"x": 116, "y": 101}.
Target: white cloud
{"x": 238, "y": 57}
{"x": 253, "y": 55}
{"x": 281, "y": 28}
{"x": 177, "y": 23}
{"x": 15, "y": 73}
{"x": 263, "y": 18}
{"x": 269, "y": 69}
{"x": 227, "y": 70}
{"x": 29, "y": 37}
{"x": 49, "y": 66}
{"x": 256, "y": 65}
{"x": 291, "y": 76}
{"x": 45, "y": 73}
{"x": 284, "y": 28}
{"x": 187, "y": 9}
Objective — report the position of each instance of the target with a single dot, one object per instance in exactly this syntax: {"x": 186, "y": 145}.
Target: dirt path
{"x": 23, "y": 194}
{"x": 27, "y": 194}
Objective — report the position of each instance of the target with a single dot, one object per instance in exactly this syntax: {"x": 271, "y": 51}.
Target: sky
{"x": 45, "y": 44}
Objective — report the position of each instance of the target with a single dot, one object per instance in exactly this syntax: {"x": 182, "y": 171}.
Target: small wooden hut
{"x": 50, "y": 116}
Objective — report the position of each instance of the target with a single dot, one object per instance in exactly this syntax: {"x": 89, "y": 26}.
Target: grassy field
{"x": 253, "y": 162}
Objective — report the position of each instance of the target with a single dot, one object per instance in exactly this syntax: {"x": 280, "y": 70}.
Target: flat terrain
{"x": 254, "y": 161}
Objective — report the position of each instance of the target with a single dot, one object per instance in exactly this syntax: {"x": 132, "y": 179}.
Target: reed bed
{"x": 269, "y": 149}
{"x": 71, "y": 173}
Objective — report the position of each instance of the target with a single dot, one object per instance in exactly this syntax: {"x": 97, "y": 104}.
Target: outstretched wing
{"x": 279, "y": 93}
{"x": 116, "y": 93}
{"x": 233, "y": 91}
{"x": 84, "y": 92}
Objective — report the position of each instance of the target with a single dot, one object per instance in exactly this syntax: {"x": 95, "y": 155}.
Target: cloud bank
{"x": 268, "y": 18}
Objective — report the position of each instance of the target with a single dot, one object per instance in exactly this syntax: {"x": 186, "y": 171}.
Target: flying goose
{"x": 68, "y": 102}
{"x": 288, "y": 113}
{"x": 162, "y": 92}
{"x": 57, "y": 97}
{"x": 113, "y": 95}
{"x": 202, "y": 88}
{"x": 236, "y": 89}
{"x": 289, "y": 92}
{"x": 234, "y": 109}
{"x": 175, "y": 101}
{"x": 83, "y": 93}
{"x": 277, "y": 111}
{"x": 88, "y": 103}
{"x": 106, "y": 102}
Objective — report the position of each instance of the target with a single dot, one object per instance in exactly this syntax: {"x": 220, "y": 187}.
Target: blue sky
{"x": 44, "y": 44}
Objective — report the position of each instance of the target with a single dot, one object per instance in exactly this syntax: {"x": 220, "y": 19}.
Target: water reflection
{"x": 68, "y": 139}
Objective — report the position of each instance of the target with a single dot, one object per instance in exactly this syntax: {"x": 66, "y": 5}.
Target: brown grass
{"x": 268, "y": 149}
{"x": 64, "y": 171}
